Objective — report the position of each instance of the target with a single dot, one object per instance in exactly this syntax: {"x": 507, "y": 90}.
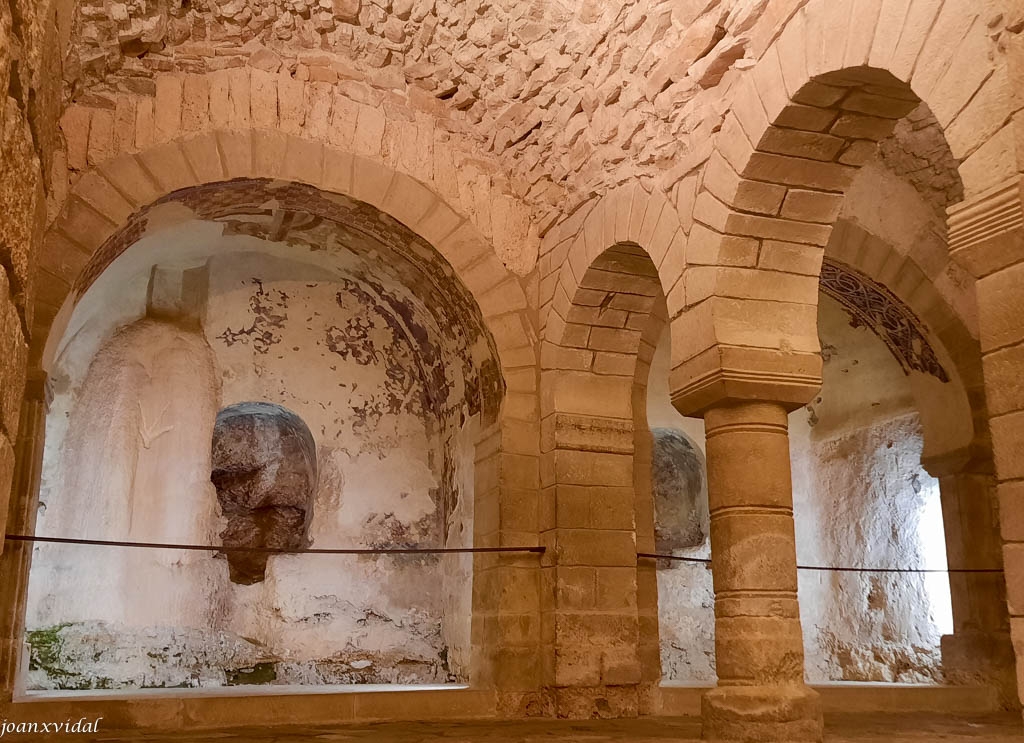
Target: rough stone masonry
{"x": 739, "y": 279}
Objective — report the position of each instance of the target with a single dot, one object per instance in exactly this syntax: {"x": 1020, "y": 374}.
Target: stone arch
{"x": 598, "y": 504}
{"x": 951, "y": 401}
{"x": 628, "y": 214}
{"x": 804, "y": 118}
{"x": 92, "y": 221}
{"x": 451, "y": 305}
{"x": 354, "y": 118}
{"x": 393, "y": 165}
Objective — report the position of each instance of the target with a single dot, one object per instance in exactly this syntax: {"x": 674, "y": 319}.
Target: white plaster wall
{"x": 660, "y": 411}
{"x": 133, "y": 466}
{"x": 457, "y": 569}
{"x": 686, "y": 599}
{"x": 861, "y": 498}
{"x": 285, "y": 324}
{"x": 378, "y": 473}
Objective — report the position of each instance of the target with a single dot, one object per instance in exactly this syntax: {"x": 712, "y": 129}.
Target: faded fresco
{"x": 389, "y": 383}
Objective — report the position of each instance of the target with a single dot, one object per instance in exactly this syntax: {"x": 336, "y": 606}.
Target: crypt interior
{"x": 513, "y": 369}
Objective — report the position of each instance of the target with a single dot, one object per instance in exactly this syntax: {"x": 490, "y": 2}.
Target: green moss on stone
{"x": 46, "y": 651}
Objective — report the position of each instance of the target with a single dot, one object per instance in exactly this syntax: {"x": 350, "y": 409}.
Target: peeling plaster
{"x": 364, "y": 332}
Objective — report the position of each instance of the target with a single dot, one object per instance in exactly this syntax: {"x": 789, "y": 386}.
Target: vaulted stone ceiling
{"x": 576, "y": 96}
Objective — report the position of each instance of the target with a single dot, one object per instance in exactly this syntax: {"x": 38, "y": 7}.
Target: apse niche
{"x": 268, "y": 366}
{"x": 861, "y": 498}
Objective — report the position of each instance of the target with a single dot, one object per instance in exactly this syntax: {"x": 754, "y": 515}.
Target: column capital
{"x": 724, "y": 375}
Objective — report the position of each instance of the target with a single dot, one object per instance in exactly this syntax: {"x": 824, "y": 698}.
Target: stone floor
{"x": 907, "y": 728}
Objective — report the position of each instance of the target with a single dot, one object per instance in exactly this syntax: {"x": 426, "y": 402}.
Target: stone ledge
{"x": 176, "y": 709}
{"x": 684, "y": 700}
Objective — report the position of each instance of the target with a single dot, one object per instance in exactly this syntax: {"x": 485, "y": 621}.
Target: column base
{"x": 761, "y": 714}
{"x": 985, "y": 658}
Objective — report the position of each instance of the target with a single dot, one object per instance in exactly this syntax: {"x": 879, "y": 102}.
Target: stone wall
{"x": 582, "y": 85}
{"x": 602, "y": 92}
{"x": 686, "y": 599}
{"x": 720, "y": 139}
{"x": 30, "y": 104}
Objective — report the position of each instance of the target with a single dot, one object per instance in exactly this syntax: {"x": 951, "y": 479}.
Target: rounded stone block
{"x": 265, "y": 473}
{"x": 782, "y": 604}
{"x": 722, "y": 374}
{"x": 755, "y": 714}
{"x": 759, "y": 649}
{"x": 758, "y": 478}
{"x": 754, "y": 551}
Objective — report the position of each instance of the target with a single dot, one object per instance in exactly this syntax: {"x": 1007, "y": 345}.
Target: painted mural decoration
{"x": 874, "y": 306}
{"x": 349, "y": 382}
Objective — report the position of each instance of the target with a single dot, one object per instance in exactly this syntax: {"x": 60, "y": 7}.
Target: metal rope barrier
{"x": 273, "y": 550}
{"x": 453, "y": 550}
{"x": 825, "y": 569}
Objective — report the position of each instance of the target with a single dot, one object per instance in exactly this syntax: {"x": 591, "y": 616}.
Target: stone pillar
{"x": 506, "y": 632}
{"x": 590, "y": 621}
{"x": 986, "y": 235}
{"x": 16, "y": 556}
{"x": 979, "y": 649}
{"x": 761, "y": 694}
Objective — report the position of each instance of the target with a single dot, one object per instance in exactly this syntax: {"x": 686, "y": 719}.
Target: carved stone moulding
{"x": 986, "y": 232}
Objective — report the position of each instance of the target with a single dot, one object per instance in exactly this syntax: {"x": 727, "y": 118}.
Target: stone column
{"x": 761, "y": 694}
{"x": 16, "y": 556}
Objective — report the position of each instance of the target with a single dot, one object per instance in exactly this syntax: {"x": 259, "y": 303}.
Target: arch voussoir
{"x": 803, "y": 121}
{"x": 218, "y": 127}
